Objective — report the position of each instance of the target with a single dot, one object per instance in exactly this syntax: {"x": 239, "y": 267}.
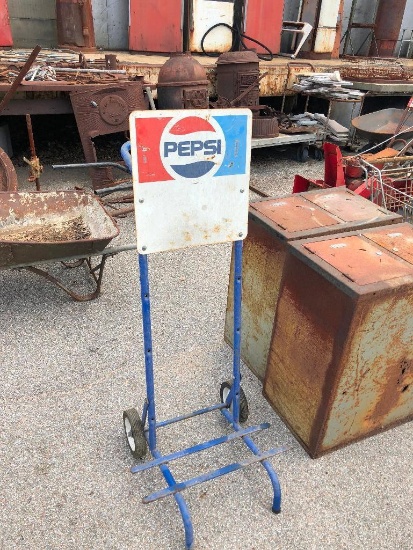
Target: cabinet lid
{"x": 347, "y": 206}
{"x": 398, "y": 239}
{"x": 294, "y": 213}
{"x": 359, "y": 260}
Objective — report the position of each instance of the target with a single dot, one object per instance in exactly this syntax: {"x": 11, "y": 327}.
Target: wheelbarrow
{"x": 8, "y": 176}
{"x": 60, "y": 226}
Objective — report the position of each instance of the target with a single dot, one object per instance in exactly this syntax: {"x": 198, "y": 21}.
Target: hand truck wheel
{"x": 243, "y": 403}
{"x": 134, "y": 431}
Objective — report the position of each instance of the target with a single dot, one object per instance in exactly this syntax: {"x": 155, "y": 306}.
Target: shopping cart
{"x": 390, "y": 184}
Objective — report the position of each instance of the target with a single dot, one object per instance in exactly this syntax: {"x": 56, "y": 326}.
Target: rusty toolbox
{"x": 272, "y": 224}
{"x": 340, "y": 365}
{"x": 37, "y": 226}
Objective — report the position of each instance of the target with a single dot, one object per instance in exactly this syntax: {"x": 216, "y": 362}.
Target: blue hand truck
{"x": 141, "y": 429}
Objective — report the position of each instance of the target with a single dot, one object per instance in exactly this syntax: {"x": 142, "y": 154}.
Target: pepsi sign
{"x": 173, "y": 152}
{"x": 191, "y": 147}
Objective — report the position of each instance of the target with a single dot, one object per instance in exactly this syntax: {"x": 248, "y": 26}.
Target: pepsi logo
{"x": 192, "y": 148}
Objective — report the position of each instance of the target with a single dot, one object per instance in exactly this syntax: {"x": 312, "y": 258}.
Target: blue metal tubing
{"x": 125, "y": 154}
{"x": 183, "y": 508}
{"x": 149, "y": 407}
{"x": 237, "y": 329}
{"x": 145, "y": 412}
{"x": 178, "y": 487}
{"x": 212, "y": 408}
{"x": 147, "y": 342}
{"x": 276, "y": 504}
{"x": 198, "y": 448}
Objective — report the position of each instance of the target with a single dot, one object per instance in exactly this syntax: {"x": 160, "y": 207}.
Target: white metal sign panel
{"x": 191, "y": 172}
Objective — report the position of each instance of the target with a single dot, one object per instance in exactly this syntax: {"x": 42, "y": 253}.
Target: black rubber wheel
{"x": 134, "y": 431}
{"x": 318, "y": 154}
{"x": 303, "y": 153}
{"x": 243, "y": 403}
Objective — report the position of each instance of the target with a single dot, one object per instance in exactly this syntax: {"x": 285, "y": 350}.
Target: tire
{"x": 303, "y": 153}
{"x": 134, "y": 431}
{"x": 318, "y": 154}
{"x": 243, "y": 403}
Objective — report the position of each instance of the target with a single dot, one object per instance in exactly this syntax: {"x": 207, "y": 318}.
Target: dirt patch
{"x": 68, "y": 230}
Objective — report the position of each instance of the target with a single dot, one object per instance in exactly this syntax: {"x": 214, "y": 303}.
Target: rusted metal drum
{"x": 182, "y": 83}
{"x": 340, "y": 366}
{"x": 8, "y": 176}
{"x": 237, "y": 71}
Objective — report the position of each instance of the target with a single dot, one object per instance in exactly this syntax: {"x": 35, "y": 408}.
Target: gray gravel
{"x": 68, "y": 370}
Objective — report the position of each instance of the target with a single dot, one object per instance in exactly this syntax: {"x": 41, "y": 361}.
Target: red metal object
{"x": 5, "y": 30}
{"x": 75, "y": 24}
{"x": 263, "y": 22}
{"x": 333, "y": 171}
{"x": 387, "y": 27}
{"x": 156, "y": 26}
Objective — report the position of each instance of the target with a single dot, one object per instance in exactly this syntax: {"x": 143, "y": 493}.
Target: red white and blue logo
{"x": 190, "y": 148}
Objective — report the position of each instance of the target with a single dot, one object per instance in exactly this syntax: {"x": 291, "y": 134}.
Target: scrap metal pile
{"x": 60, "y": 66}
{"x": 319, "y": 123}
{"x": 327, "y": 85}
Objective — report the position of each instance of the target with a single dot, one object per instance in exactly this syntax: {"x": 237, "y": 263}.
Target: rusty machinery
{"x": 182, "y": 83}
{"x": 105, "y": 110}
{"x": 238, "y": 78}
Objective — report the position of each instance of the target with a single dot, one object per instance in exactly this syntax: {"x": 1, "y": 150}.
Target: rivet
{"x": 240, "y": 234}
{"x": 143, "y": 247}
{"x": 141, "y": 200}
{"x": 241, "y": 190}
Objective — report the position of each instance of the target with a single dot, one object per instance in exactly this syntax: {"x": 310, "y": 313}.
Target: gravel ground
{"x": 69, "y": 370}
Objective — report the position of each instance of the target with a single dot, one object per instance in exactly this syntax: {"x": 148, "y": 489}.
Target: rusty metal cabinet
{"x": 272, "y": 224}
{"x": 340, "y": 365}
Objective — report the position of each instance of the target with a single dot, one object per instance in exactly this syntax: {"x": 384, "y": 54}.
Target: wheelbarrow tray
{"x": 382, "y": 125}
{"x": 37, "y": 226}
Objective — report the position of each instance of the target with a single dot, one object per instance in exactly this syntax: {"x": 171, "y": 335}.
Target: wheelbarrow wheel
{"x": 134, "y": 431}
{"x": 243, "y": 403}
